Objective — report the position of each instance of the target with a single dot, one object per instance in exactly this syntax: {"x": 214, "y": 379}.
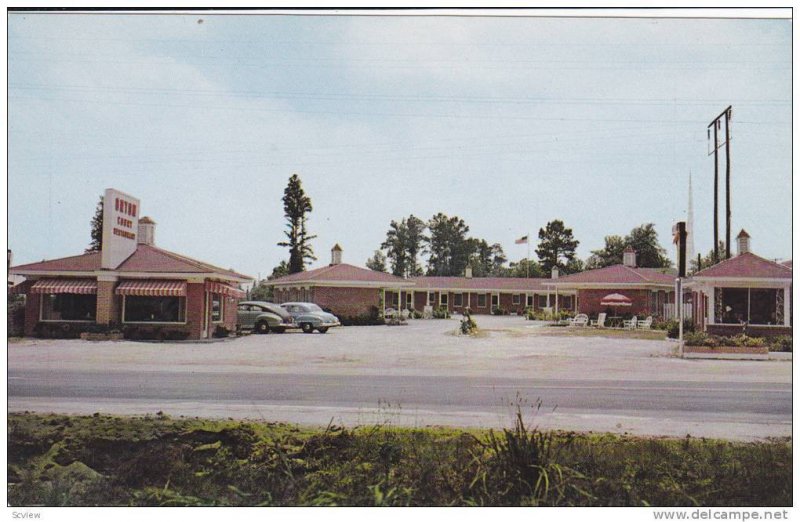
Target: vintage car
{"x": 310, "y": 317}
{"x": 263, "y": 317}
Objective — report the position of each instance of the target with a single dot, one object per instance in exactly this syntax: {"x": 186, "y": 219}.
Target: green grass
{"x": 614, "y": 333}
{"x": 58, "y": 460}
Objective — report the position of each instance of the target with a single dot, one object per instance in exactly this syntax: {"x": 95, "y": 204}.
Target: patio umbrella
{"x": 616, "y": 300}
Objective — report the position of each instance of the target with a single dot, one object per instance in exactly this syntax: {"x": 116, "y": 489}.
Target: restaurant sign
{"x": 120, "y": 226}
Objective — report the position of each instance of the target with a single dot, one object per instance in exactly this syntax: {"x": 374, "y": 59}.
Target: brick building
{"x": 149, "y": 290}
{"x": 651, "y": 290}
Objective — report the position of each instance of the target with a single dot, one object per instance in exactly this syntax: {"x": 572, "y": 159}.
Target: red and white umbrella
{"x": 616, "y": 300}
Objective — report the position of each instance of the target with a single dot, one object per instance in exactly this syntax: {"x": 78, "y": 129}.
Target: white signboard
{"x": 120, "y": 226}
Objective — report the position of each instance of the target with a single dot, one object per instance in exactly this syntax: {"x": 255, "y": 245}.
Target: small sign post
{"x": 679, "y": 238}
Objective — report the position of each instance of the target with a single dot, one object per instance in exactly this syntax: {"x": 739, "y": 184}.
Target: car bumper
{"x": 328, "y": 325}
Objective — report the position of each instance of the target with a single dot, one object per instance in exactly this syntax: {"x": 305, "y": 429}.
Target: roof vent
{"x": 336, "y": 255}
{"x": 147, "y": 231}
{"x": 742, "y": 243}
{"x": 629, "y": 257}
{"x": 554, "y": 273}
{"x": 468, "y": 272}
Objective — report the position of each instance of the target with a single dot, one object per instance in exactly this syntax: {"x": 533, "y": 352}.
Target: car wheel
{"x": 323, "y": 329}
{"x": 307, "y": 328}
{"x": 262, "y": 327}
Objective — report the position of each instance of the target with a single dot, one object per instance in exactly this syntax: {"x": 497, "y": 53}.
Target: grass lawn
{"x": 616, "y": 333}
{"x": 56, "y": 460}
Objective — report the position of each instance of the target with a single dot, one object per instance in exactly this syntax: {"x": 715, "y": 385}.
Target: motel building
{"x": 743, "y": 293}
{"x": 130, "y": 284}
{"x": 350, "y": 291}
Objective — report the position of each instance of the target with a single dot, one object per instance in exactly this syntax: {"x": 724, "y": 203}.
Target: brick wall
{"x": 346, "y": 302}
{"x": 589, "y": 302}
{"x": 195, "y": 308}
{"x": 108, "y": 304}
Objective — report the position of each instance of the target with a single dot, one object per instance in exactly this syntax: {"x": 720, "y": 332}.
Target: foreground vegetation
{"x": 158, "y": 461}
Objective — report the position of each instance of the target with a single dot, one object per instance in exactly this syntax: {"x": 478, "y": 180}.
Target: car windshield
{"x": 313, "y": 308}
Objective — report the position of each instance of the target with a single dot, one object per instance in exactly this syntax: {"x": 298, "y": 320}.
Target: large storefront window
{"x": 142, "y": 309}
{"x": 216, "y": 308}
{"x": 69, "y": 307}
{"x": 750, "y": 305}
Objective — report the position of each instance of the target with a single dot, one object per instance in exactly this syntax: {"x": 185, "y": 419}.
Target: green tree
{"x": 96, "y": 244}
{"x": 556, "y": 246}
{"x": 414, "y": 243}
{"x": 707, "y": 260}
{"x": 449, "y": 248}
{"x": 524, "y": 268}
{"x": 377, "y": 262}
{"x": 263, "y": 290}
{"x": 649, "y": 253}
{"x": 643, "y": 239}
{"x": 487, "y": 260}
{"x": 296, "y": 206}
{"x": 396, "y": 247}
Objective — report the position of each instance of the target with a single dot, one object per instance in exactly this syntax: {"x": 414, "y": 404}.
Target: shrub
{"x": 16, "y": 316}
{"x": 781, "y": 343}
{"x": 701, "y": 339}
{"x": 743, "y": 340}
{"x": 371, "y": 318}
{"x": 499, "y": 311}
{"x": 221, "y": 331}
{"x": 468, "y": 325}
{"x": 441, "y": 312}
{"x": 671, "y": 327}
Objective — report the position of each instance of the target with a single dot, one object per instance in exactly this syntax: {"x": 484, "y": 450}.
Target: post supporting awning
{"x": 152, "y": 288}
{"x": 65, "y": 286}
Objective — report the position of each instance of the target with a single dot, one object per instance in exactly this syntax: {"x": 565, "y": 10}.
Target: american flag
{"x": 521, "y": 241}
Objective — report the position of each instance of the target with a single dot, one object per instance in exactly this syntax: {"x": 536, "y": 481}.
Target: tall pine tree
{"x": 96, "y": 244}
{"x": 296, "y": 206}
{"x": 556, "y": 246}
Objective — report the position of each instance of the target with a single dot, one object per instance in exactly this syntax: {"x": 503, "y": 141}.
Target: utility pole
{"x": 727, "y": 113}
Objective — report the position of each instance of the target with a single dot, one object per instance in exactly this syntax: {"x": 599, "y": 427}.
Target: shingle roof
{"x": 747, "y": 265}
{"x": 480, "y": 283}
{"x": 146, "y": 258}
{"x": 340, "y": 272}
{"x": 788, "y": 263}
{"x": 619, "y": 274}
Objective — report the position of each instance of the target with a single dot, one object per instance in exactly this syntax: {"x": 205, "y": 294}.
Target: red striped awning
{"x": 65, "y": 286}
{"x": 153, "y": 288}
{"x": 216, "y": 287}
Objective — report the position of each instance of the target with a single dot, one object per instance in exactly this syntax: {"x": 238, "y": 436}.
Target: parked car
{"x": 263, "y": 317}
{"x": 310, "y": 317}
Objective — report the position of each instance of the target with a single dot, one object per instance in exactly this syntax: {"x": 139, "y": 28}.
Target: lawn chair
{"x": 630, "y": 325}
{"x": 646, "y": 324}
{"x": 389, "y": 312}
{"x": 600, "y": 322}
{"x": 579, "y": 320}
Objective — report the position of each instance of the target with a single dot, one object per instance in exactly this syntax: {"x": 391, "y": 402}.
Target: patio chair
{"x": 427, "y": 312}
{"x": 646, "y": 324}
{"x": 600, "y": 322}
{"x": 389, "y": 312}
{"x": 630, "y": 325}
{"x": 579, "y": 320}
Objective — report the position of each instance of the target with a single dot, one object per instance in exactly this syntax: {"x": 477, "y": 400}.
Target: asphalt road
{"x": 739, "y": 410}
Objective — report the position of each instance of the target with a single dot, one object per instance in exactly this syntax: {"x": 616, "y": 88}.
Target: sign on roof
{"x": 120, "y": 226}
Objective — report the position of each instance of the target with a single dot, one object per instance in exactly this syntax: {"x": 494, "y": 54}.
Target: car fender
{"x": 308, "y": 318}
{"x": 272, "y": 319}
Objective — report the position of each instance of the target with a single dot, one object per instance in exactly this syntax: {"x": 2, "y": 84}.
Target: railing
{"x": 669, "y": 311}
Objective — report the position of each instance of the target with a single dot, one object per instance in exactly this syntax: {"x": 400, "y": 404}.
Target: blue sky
{"x": 505, "y": 122}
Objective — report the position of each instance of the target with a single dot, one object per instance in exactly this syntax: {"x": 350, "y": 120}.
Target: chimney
{"x": 742, "y": 243}
{"x": 147, "y": 232}
{"x": 336, "y": 255}
{"x": 629, "y": 257}
{"x": 554, "y": 273}
{"x": 468, "y": 272}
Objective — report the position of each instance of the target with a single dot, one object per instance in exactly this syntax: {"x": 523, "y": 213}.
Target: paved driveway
{"x": 416, "y": 374}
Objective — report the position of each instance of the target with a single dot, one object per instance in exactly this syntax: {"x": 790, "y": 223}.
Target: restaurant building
{"x": 130, "y": 284}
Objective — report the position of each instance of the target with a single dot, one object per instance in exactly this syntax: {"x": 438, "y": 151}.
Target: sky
{"x": 506, "y": 122}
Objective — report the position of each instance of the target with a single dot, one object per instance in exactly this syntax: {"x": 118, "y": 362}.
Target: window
{"x": 565, "y": 301}
{"x": 495, "y": 300}
{"x": 542, "y": 300}
{"x": 431, "y": 298}
{"x": 751, "y": 305}
{"x": 243, "y": 308}
{"x": 443, "y": 298}
{"x": 142, "y": 309}
{"x": 409, "y": 302}
{"x": 529, "y": 301}
{"x": 69, "y": 307}
{"x": 458, "y": 299}
{"x": 481, "y": 300}
{"x": 216, "y": 308}
{"x": 515, "y": 299}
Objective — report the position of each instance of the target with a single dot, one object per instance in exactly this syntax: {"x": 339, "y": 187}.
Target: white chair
{"x": 405, "y": 313}
{"x": 579, "y": 320}
{"x": 600, "y": 322}
{"x": 646, "y": 324}
{"x": 630, "y": 325}
{"x": 427, "y": 312}
{"x": 389, "y": 312}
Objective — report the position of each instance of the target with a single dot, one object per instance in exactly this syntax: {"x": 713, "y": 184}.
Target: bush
{"x": 58, "y": 330}
{"x": 371, "y": 318}
{"x": 441, "y": 312}
{"x": 499, "y": 311}
{"x": 468, "y": 325}
{"x": 781, "y": 343}
{"x": 743, "y": 340}
{"x": 221, "y": 331}
{"x": 671, "y": 327}
{"x": 700, "y": 339}
{"x": 16, "y": 316}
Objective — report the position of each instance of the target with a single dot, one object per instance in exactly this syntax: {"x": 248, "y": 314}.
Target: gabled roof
{"x": 618, "y": 275}
{"x": 746, "y": 266}
{"x": 341, "y": 272}
{"x": 146, "y": 258}
{"x": 521, "y": 284}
